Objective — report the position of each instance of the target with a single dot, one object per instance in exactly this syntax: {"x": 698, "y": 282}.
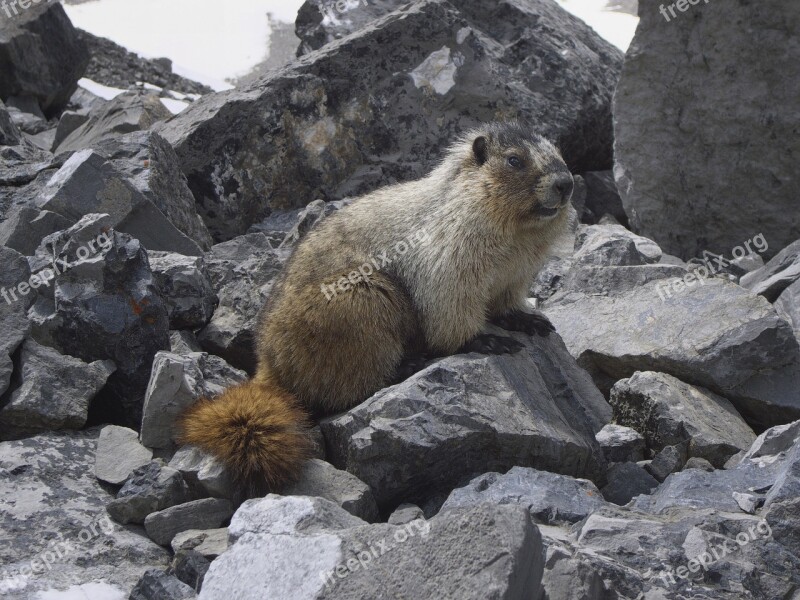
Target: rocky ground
{"x": 648, "y": 449}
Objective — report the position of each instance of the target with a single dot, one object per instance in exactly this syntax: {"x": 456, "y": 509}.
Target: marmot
{"x": 417, "y": 266}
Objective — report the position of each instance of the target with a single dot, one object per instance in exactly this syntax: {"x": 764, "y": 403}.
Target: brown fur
{"x": 489, "y": 231}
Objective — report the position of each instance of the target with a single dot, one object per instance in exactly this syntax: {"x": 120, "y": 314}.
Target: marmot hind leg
{"x": 333, "y": 351}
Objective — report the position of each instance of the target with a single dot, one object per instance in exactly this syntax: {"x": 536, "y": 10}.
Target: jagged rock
{"x": 669, "y": 412}
{"x": 9, "y": 133}
{"x": 190, "y": 567}
{"x": 405, "y": 513}
{"x": 150, "y": 488}
{"x": 69, "y": 122}
{"x": 626, "y": 481}
{"x": 63, "y": 522}
{"x": 26, "y": 226}
{"x": 466, "y": 66}
{"x": 788, "y": 307}
{"x": 482, "y": 552}
{"x": 183, "y": 342}
{"x": 54, "y": 392}
{"x": 323, "y": 480}
{"x": 698, "y": 463}
{"x": 27, "y": 116}
{"x": 104, "y": 307}
{"x": 242, "y": 272}
{"x": 14, "y": 325}
{"x": 602, "y": 196}
{"x": 156, "y": 584}
{"x": 130, "y": 111}
{"x": 41, "y": 55}
{"x": 207, "y": 513}
{"x": 777, "y": 275}
{"x": 209, "y": 543}
{"x": 119, "y": 454}
{"x": 150, "y": 164}
{"x": 204, "y": 471}
{"x": 619, "y": 320}
{"x": 621, "y": 444}
{"x": 669, "y": 460}
{"x": 175, "y": 383}
{"x": 613, "y": 245}
{"x": 550, "y": 498}
{"x": 533, "y": 407}
{"x": 774, "y": 441}
{"x": 185, "y": 288}
{"x": 656, "y": 122}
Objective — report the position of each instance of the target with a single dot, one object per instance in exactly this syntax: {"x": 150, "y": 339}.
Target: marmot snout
{"x": 489, "y": 214}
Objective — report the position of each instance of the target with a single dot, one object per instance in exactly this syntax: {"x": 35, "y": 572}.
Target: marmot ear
{"x": 480, "y": 149}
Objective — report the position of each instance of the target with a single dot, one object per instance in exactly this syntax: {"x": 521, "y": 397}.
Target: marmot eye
{"x": 515, "y": 162}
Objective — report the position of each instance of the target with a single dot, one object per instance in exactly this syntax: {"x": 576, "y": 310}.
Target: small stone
{"x": 670, "y": 460}
{"x": 150, "y": 488}
{"x": 208, "y": 513}
{"x": 158, "y": 585}
{"x": 209, "y": 543}
{"x": 191, "y": 567}
{"x": 748, "y": 502}
{"x": 205, "y": 471}
{"x": 119, "y": 453}
{"x": 621, "y": 444}
{"x": 405, "y": 513}
{"x": 698, "y": 463}
{"x": 323, "y": 480}
{"x": 185, "y": 288}
{"x": 626, "y": 481}
{"x": 183, "y": 342}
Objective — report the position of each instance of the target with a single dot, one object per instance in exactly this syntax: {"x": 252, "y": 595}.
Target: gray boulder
{"x": 150, "y": 164}
{"x": 176, "y": 382}
{"x": 242, "y": 273}
{"x": 709, "y": 332}
{"x": 156, "y": 584}
{"x": 41, "y": 54}
{"x": 130, "y": 111}
{"x": 777, "y": 275}
{"x": 61, "y": 537}
{"x": 54, "y": 392}
{"x": 183, "y": 342}
{"x": 119, "y": 454}
{"x": 405, "y": 513}
{"x": 207, "y": 542}
{"x": 669, "y": 412}
{"x": 14, "y": 325}
{"x": 207, "y": 513}
{"x": 550, "y": 498}
{"x": 670, "y": 459}
{"x": 620, "y": 443}
{"x": 532, "y": 408}
{"x": 788, "y": 307}
{"x": 466, "y": 66}
{"x": 323, "y": 480}
{"x": 658, "y": 122}
{"x": 150, "y": 488}
{"x": 204, "y": 472}
{"x": 602, "y": 197}
{"x": 103, "y": 307}
{"x": 613, "y": 246}
{"x": 185, "y": 288}
{"x": 626, "y": 481}
{"x": 481, "y": 552}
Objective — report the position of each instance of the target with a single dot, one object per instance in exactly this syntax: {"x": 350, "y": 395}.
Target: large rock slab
{"x": 41, "y": 54}
{"x": 54, "y": 392}
{"x": 550, "y": 498}
{"x": 481, "y": 552}
{"x": 470, "y": 414}
{"x": 119, "y": 454}
{"x": 206, "y": 513}
{"x": 14, "y": 325}
{"x": 185, "y": 288}
{"x": 346, "y": 119}
{"x": 669, "y": 412}
{"x": 657, "y": 121}
{"x": 104, "y": 307}
{"x": 54, "y": 530}
{"x": 712, "y": 333}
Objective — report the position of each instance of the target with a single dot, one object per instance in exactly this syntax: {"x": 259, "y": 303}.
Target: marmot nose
{"x": 564, "y": 185}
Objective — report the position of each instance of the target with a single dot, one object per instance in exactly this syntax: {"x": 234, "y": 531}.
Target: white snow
{"x": 617, "y": 28}
{"x": 93, "y": 590}
{"x": 98, "y": 89}
{"x": 174, "y": 106}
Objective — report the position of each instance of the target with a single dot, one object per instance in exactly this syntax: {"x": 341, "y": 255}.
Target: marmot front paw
{"x": 532, "y": 323}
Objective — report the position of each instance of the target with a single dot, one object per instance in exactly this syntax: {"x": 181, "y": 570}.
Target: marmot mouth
{"x": 543, "y": 211}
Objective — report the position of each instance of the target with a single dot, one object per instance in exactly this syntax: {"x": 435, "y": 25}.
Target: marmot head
{"x": 525, "y": 176}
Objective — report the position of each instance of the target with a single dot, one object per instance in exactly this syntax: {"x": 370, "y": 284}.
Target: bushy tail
{"x": 257, "y": 429}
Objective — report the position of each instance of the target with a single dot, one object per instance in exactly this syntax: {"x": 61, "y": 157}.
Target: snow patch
{"x": 98, "y": 89}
